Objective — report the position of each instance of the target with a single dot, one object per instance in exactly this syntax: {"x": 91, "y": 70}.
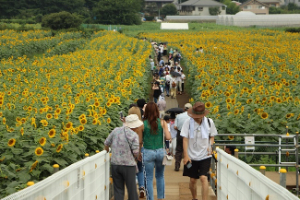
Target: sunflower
{"x": 57, "y": 111}
{"x": 39, "y": 151}
{"x": 104, "y": 111}
{"x": 81, "y": 128}
{"x": 230, "y": 137}
{"x": 83, "y": 121}
{"x": 33, "y": 166}
{"x": 228, "y": 106}
{"x": 11, "y": 142}
{"x": 22, "y": 131}
{"x": 228, "y": 100}
{"x": 208, "y": 104}
{"x": 69, "y": 125}
{"x": 96, "y": 104}
{"x": 49, "y": 116}
{"x": 249, "y": 101}
{"x": 82, "y": 116}
{"x": 95, "y": 121}
{"x": 59, "y": 148}
{"x": 51, "y": 133}
{"x": 108, "y": 104}
{"x": 278, "y": 100}
{"x": 4, "y": 120}
{"x": 289, "y": 115}
{"x": 236, "y": 111}
{"x": 42, "y": 141}
{"x": 264, "y": 115}
{"x": 108, "y": 120}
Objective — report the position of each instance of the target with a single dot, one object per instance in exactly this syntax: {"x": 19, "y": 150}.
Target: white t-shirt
{"x": 168, "y": 77}
{"x": 182, "y": 78}
{"x": 161, "y": 49}
{"x": 197, "y": 148}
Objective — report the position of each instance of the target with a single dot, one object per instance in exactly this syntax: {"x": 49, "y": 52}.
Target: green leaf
{"x": 24, "y": 176}
{"x": 17, "y": 151}
{"x": 61, "y": 162}
{"x": 47, "y": 167}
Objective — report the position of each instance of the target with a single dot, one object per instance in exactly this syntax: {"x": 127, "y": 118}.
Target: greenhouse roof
{"x": 203, "y": 3}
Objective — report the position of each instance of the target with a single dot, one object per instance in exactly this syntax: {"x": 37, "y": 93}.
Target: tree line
{"x": 90, "y": 11}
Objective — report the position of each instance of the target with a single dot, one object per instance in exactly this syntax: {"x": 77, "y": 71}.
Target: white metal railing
{"x": 87, "y": 179}
{"x": 237, "y": 180}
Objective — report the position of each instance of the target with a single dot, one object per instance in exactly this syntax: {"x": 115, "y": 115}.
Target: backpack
{"x": 173, "y": 84}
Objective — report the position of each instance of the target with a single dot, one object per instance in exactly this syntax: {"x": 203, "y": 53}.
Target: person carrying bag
{"x": 154, "y": 152}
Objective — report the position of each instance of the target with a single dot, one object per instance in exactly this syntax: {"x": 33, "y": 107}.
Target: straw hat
{"x": 133, "y": 121}
{"x": 198, "y": 110}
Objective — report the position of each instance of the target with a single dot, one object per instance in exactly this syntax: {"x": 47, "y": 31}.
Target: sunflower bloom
{"x": 33, "y": 166}
{"x": 42, "y": 141}
{"x": 69, "y": 125}
{"x": 230, "y": 137}
{"x": 83, "y": 121}
{"x": 108, "y": 120}
{"x": 49, "y": 116}
{"x": 39, "y": 151}
{"x": 51, "y": 133}
{"x": 264, "y": 115}
{"x": 59, "y": 148}
{"x": 81, "y": 128}
{"x": 208, "y": 104}
{"x": 11, "y": 142}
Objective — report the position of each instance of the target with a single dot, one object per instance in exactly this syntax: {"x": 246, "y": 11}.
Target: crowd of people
{"x": 148, "y": 136}
{"x": 168, "y": 75}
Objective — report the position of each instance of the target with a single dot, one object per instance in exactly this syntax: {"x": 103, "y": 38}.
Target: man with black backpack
{"x": 198, "y": 137}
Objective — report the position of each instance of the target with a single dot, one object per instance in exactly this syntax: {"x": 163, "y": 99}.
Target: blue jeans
{"x": 153, "y": 158}
{"x": 155, "y": 100}
{"x": 167, "y": 89}
{"x": 140, "y": 174}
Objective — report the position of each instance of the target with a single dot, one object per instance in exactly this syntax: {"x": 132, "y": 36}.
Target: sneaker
{"x": 142, "y": 192}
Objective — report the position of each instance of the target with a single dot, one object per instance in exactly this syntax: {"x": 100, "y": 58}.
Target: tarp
{"x": 174, "y": 26}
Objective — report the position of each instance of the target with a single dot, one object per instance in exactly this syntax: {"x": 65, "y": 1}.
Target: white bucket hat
{"x": 133, "y": 121}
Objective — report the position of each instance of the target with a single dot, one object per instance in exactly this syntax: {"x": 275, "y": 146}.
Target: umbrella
{"x": 175, "y": 110}
{"x": 175, "y": 74}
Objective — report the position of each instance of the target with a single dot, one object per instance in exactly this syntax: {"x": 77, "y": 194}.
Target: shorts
{"x": 199, "y": 168}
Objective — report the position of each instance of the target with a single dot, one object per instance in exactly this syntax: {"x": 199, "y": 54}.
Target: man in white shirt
{"x": 198, "y": 136}
{"x": 180, "y": 118}
{"x": 168, "y": 84}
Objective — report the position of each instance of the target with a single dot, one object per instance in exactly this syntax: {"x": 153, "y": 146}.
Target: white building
{"x": 200, "y": 7}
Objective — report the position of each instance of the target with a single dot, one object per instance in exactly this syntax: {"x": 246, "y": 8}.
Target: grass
{"x": 154, "y": 27}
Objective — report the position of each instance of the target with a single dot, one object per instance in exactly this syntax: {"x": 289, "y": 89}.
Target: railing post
{"x": 30, "y": 183}
{"x": 262, "y": 169}
{"x": 283, "y": 177}
{"x": 56, "y": 168}
{"x": 236, "y": 153}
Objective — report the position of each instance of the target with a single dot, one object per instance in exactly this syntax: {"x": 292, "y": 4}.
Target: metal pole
{"x": 297, "y": 162}
{"x": 283, "y": 178}
{"x": 262, "y": 169}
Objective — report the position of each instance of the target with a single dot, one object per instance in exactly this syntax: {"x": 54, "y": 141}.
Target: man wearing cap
{"x": 178, "y": 125}
{"x": 124, "y": 143}
{"x": 198, "y": 136}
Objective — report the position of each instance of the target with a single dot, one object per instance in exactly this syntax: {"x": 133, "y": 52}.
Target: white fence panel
{"x": 237, "y": 180}
{"x": 87, "y": 179}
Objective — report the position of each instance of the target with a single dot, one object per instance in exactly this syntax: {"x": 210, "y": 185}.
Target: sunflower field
{"x": 249, "y": 79}
{"x": 57, "y": 107}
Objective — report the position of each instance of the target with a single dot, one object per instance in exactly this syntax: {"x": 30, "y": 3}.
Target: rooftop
{"x": 202, "y": 3}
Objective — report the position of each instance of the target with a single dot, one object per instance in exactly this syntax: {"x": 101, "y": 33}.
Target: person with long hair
{"x": 154, "y": 132}
{"x": 140, "y": 176}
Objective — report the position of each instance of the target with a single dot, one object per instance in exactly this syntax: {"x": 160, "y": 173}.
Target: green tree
{"x": 292, "y": 6}
{"x": 61, "y": 20}
{"x": 118, "y": 12}
{"x": 214, "y": 10}
{"x": 169, "y": 9}
{"x": 151, "y": 9}
{"x": 232, "y": 8}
